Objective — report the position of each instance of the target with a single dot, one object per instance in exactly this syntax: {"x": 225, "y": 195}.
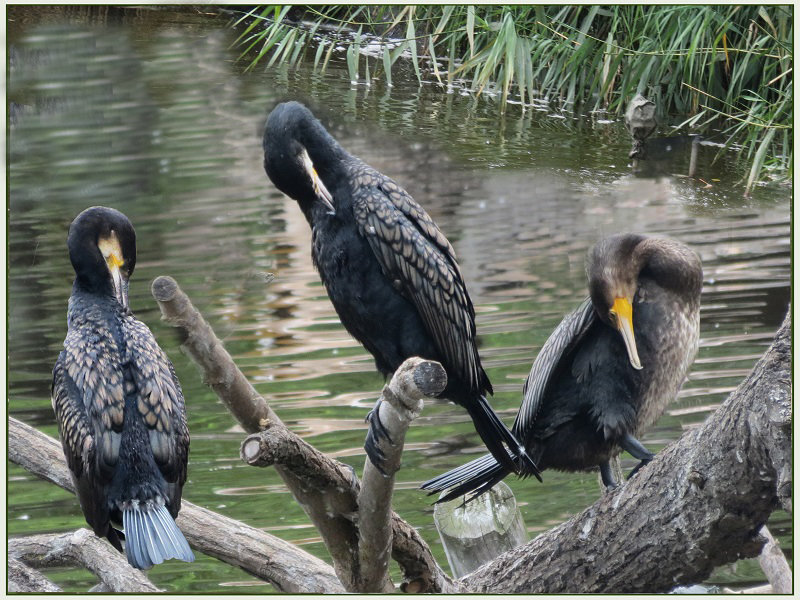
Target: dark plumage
{"x": 117, "y": 400}
{"x": 609, "y": 369}
{"x": 390, "y": 273}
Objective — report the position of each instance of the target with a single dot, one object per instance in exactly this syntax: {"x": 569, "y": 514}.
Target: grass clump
{"x": 719, "y": 67}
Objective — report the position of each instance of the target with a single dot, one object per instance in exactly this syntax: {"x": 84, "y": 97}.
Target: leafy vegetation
{"x": 720, "y": 67}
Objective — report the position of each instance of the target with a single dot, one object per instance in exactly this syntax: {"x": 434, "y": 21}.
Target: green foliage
{"x": 726, "y": 67}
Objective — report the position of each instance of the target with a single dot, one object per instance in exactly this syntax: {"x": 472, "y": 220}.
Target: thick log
{"x": 331, "y": 513}
{"x": 284, "y": 565}
{"x": 81, "y": 548}
{"x": 699, "y": 504}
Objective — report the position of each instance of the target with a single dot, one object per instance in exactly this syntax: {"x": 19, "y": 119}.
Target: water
{"x": 149, "y": 111}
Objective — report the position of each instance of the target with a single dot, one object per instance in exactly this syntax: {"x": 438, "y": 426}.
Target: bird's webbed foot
{"x": 376, "y": 433}
{"x": 635, "y": 448}
{"x": 607, "y": 475}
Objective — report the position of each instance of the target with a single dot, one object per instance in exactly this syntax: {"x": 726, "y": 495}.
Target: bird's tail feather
{"x": 152, "y": 536}
{"x": 494, "y": 432}
{"x": 477, "y": 476}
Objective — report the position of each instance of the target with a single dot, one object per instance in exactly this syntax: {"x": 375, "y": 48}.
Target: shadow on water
{"x": 148, "y": 111}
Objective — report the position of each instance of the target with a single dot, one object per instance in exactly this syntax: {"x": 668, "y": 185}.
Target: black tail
{"x": 476, "y": 476}
{"x": 151, "y": 536}
{"x": 494, "y": 432}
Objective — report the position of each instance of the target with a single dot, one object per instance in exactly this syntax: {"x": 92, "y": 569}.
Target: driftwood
{"x": 81, "y": 548}
{"x": 699, "y": 504}
{"x": 284, "y": 565}
{"x": 774, "y": 565}
{"x": 400, "y": 403}
{"x": 704, "y": 498}
{"x": 23, "y": 579}
{"x": 326, "y": 489}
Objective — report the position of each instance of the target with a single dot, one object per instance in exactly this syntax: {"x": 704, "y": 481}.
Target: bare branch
{"x": 331, "y": 513}
{"x": 700, "y": 503}
{"x": 774, "y": 565}
{"x": 81, "y": 548}
{"x": 249, "y": 408}
{"x": 23, "y": 579}
{"x": 400, "y": 403}
{"x": 272, "y": 559}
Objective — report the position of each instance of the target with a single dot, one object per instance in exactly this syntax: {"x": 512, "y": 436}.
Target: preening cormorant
{"x": 117, "y": 400}
{"x": 609, "y": 369}
{"x": 389, "y": 271}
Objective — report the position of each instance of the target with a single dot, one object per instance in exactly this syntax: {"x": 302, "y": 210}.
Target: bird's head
{"x": 102, "y": 249}
{"x": 296, "y": 147}
{"x": 613, "y": 268}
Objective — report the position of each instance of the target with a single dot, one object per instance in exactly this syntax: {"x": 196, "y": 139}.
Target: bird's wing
{"x": 566, "y": 336}
{"x": 159, "y": 400}
{"x": 88, "y": 398}
{"x": 75, "y": 432}
{"x": 417, "y": 257}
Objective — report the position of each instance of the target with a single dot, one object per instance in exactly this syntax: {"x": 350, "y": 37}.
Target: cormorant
{"x": 609, "y": 369}
{"x": 117, "y": 400}
{"x": 389, "y": 271}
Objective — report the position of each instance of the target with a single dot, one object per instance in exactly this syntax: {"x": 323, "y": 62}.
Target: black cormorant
{"x": 390, "y": 273}
{"x": 117, "y": 400}
{"x": 609, "y": 369}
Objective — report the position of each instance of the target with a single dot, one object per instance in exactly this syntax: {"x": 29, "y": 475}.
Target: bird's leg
{"x": 634, "y": 447}
{"x": 607, "y": 475}
{"x": 375, "y": 433}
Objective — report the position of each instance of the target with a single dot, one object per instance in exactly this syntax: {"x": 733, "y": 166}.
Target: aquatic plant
{"x": 721, "y": 68}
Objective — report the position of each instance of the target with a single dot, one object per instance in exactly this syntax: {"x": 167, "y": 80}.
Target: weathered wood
{"x": 332, "y": 513}
{"x": 284, "y": 565}
{"x": 476, "y": 532}
{"x": 219, "y": 371}
{"x": 81, "y": 548}
{"x": 22, "y": 579}
{"x": 774, "y": 565}
{"x": 400, "y": 403}
{"x": 700, "y": 503}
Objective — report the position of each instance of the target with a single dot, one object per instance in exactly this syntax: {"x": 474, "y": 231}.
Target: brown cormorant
{"x": 389, "y": 271}
{"x": 609, "y": 369}
{"x": 117, "y": 400}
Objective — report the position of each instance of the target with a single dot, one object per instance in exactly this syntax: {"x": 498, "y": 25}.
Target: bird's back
{"x": 120, "y": 411}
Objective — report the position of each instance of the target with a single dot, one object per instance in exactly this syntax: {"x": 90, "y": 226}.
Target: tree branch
{"x": 284, "y": 565}
{"x": 81, "y": 548}
{"x": 400, "y": 403}
{"x": 23, "y": 579}
{"x": 332, "y": 512}
{"x": 699, "y": 504}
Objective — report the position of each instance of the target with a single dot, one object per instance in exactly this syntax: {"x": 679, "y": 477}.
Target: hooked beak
{"x": 321, "y": 192}
{"x": 114, "y": 263}
{"x": 623, "y": 313}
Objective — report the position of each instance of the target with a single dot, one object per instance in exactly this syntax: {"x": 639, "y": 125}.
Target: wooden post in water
{"x": 693, "y": 156}
{"x": 479, "y": 531}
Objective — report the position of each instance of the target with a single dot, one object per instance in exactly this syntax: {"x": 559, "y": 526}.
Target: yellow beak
{"x": 623, "y": 313}
{"x": 114, "y": 263}
{"x": 320, "y": 191}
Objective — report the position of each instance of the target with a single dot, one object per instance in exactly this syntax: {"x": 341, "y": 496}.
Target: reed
{"x": 711, "y": 68}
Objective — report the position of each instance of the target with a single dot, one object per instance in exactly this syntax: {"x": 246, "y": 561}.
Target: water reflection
{"x": 149, "y": 112}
